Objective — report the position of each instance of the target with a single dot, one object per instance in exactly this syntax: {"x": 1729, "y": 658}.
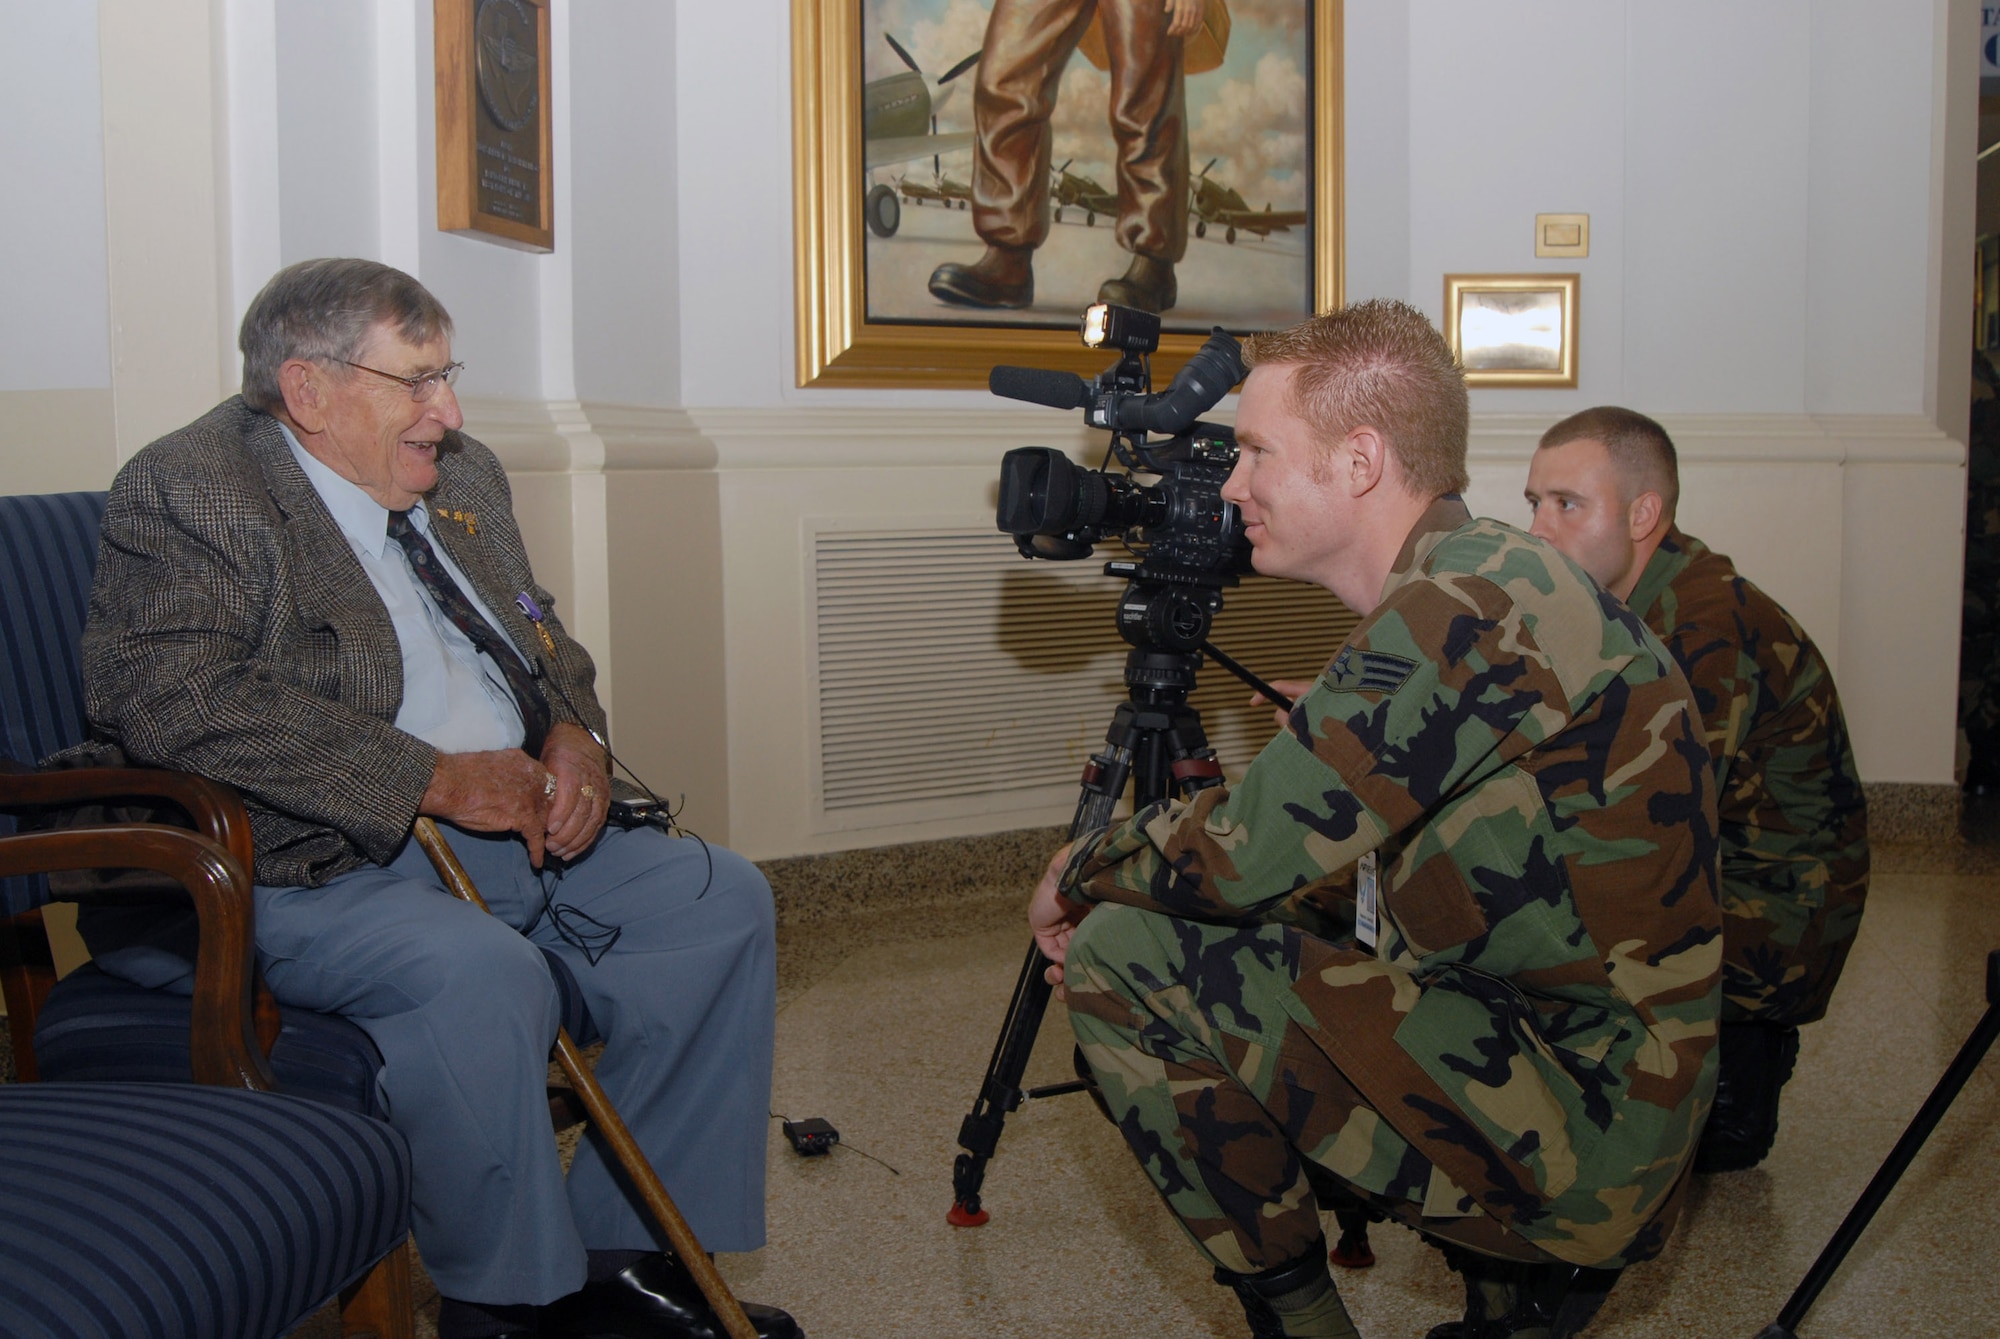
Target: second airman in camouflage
{"x": 1500, "y": 783}
{"x": 1793, "y": 824}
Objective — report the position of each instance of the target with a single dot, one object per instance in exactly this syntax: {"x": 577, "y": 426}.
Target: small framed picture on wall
{"x": 1513, "y": 329}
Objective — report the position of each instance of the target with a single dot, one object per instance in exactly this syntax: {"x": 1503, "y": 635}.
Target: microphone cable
{"x": 668, "y": 816}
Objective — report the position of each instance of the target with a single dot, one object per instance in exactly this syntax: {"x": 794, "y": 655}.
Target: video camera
{"x": 1180, "y": 528}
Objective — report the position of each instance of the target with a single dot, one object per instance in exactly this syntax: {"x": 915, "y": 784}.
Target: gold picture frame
{"x": 495, "y": 171}
{"x": 837, "y": 346}
{"x": 1513, "y": 329}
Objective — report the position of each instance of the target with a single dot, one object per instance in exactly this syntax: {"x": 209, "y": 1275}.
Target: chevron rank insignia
{"x": 1354, "y": 671}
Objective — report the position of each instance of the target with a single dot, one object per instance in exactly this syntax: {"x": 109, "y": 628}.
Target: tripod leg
{"x": 1352, "y": 1250}
{"x": 999, "y": 1092}
{"x": 1898, "y": 1161}
{"x": 1350, "y": 1211}
{"x": 1156, "y": 741}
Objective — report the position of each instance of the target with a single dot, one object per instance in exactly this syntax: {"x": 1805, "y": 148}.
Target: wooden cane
{"x": 607, "y": 1120}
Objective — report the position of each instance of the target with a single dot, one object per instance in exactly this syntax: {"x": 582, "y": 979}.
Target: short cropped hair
{"x": 1640, "y": 450}
{"x": 322, "y": 311}
{"x": 1381, "y": 364}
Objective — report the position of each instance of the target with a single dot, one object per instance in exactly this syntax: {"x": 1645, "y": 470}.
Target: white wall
{"x": 53, "y": 332}
{"x": 329, "y": 203}
{"x": 55, "y": 339}
{"x": 1866, "y": 186}
{"x": 1774, "y": 193}
{"x": 625, "y": 224}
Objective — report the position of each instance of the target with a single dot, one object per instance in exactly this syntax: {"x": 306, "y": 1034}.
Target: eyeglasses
{"x": 421, "y": 388}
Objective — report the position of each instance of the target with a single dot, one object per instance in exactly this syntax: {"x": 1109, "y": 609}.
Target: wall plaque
{"x": 495, "y": 179}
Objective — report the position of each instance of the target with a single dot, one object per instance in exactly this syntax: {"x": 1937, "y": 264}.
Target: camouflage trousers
{"x": 1785, "y": 943}
{"x": 1222, "y": 1096}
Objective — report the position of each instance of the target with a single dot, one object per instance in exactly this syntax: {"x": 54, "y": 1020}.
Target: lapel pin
{"x": 527, "y": 605}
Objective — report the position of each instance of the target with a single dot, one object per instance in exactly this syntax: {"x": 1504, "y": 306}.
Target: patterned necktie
{"x": 451, "y": 602}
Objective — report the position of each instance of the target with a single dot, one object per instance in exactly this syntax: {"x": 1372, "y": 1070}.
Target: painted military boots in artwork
{"x": 1004, "y": 277}
{"x": 1148, "y": 284}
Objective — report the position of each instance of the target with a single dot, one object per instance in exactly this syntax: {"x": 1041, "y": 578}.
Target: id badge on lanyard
{"x": 1367, "y": 916}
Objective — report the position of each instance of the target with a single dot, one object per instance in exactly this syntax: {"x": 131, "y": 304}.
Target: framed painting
{"x": 495, "y": 178}
{"x": 935, "y": 238}
{"x": 1512, "y": 329}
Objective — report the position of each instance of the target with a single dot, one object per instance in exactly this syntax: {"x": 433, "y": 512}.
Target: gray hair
{"x": 322, "y": 311}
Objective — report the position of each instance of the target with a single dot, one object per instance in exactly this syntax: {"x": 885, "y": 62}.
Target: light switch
{"x": 1562, "y": 234}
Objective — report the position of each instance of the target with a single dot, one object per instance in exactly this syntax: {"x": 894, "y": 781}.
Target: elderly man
{"x": 1604, "y": 485}
{"x": 317, "y": 593}
{"x": 1499, "y": 784}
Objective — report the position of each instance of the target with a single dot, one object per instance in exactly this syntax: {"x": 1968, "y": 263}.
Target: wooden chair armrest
{"x": 214, "y": 808}
{"x": 222, "y": 1044}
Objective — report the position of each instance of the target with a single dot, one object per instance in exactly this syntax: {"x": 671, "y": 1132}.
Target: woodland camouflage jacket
{"x": 1539, "y": 1015}
{"x": 1790, "y": 814}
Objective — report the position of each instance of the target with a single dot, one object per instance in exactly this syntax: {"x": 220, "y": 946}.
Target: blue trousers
{"x": 462, "y": 1008}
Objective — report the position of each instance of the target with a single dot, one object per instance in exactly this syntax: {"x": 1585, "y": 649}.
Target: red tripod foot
{"x": 1352, "y": 1253}
{"x": 960, "y": 1216}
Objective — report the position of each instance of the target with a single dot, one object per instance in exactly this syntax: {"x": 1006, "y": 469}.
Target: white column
{"x": 250, "y": 95}
{"x": 1954, "y": 189}
{"x": 405, "y": 93}
{"x": 589, "y": 615}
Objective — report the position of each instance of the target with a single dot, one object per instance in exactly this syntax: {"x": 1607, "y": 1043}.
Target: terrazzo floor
{"x": 886, "y": 1021}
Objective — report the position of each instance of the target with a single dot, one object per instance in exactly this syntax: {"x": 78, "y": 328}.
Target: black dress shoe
{"x": 1003, "y": 277}
{"x": 472, "y": 1320}
{"x": 1148, "y": 284}
{"x": 655, "y": 1297}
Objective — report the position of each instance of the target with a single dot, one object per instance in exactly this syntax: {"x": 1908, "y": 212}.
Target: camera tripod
{"x": 1900, "y": 1157}
{"x": 1156, "y": 742}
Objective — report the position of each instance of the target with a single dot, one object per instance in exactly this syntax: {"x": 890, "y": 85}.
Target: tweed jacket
{"x": 233, "y": 633}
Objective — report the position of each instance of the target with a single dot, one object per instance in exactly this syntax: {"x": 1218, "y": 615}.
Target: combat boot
{"x": 1756, "y": 1060}
{"x": 1292, "y": 1301}
{"x": 1148, "y": 285}
{"x": 1506, "y": 1299}
{"x": 1003, "y": 277}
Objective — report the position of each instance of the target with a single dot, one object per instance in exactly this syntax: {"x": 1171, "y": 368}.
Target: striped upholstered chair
{"x": 149, "y": 1208}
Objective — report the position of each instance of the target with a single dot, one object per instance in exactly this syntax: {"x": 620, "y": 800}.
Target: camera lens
{"x": 1042, "y": 492}
{"x": 1132, "y": 506}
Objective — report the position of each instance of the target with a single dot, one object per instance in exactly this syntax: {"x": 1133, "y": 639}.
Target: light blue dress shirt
{"x": 454, "y": 698}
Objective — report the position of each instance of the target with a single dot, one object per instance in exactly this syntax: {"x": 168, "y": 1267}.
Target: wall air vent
{"x": 954, "y": 679}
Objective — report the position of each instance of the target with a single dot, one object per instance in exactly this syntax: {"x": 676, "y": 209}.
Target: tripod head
{"x": 1165, "y": 616}
{"x": 1167, "y": 610}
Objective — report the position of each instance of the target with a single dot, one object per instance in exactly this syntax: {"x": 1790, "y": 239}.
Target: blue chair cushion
{"x": 97, "y": 1028}
{"x": 184, "y": 1212}
{"x": 48, "y": 554}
